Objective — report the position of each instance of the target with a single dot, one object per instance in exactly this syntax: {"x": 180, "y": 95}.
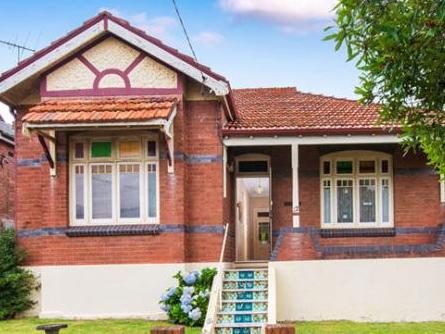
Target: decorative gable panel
{"x": 110, "y": 67}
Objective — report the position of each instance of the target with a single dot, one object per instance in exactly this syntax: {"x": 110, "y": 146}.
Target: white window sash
{"x": 102, "y": 221}
{"x": 149, "y": 219}
{"x": 130, "y": 220}
{"x": 356, "y": 176}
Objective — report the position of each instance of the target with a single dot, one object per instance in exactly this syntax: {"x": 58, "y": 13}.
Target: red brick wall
{"x": 192, "y": 195}
{"x": 7, "y": 182}
{"x": 416, "y": 202}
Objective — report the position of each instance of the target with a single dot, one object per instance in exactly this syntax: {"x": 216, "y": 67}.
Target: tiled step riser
{"x": 245, "y": 275}
{"x": 237, "y": 330}
{"x": 244, "y": 310}
{"x": 244, "y": 306}
{"x": 248, "y": 285}
{"x": 245, "y": 295}
{"x": 241, "y": 318}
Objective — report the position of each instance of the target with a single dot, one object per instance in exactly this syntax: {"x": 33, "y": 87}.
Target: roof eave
{"x": 311, "y": 131}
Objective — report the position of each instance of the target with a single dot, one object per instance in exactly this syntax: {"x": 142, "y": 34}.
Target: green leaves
{"x": 16, "y": 283}
{"x": 399, "y": 49}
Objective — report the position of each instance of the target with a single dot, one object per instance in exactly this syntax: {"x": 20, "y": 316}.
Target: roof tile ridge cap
{"x": 290, "y": 88}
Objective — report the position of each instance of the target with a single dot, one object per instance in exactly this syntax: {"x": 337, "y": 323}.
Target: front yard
{"x": 27, "y": 326}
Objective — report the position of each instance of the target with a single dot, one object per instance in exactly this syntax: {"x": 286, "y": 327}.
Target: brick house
{"x": 132, "y": 158}
{"x": 7, "y": 173}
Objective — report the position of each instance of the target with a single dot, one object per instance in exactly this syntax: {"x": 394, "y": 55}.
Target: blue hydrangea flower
{"x": 186, "y": 299}
{"x": 171, "y": 292}
{"x": 186, "y": 307}
{"x": 195, "y": 314}
{"x": 164, "y": 297}
{"x": 188, "y": 290}
{"x": 196, "y": 273}
{"x": 190, "y": 279}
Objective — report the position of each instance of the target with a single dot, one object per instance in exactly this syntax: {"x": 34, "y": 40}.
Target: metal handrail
{"x": 216, "y": 293}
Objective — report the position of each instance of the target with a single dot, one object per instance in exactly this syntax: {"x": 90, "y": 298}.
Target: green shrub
{"x": 187, "y": 303}
{"x": 16, "y": 283}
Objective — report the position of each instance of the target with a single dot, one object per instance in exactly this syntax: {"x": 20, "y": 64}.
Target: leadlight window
{"x": 358, "y": 191}
{"x": 116, "y": 181}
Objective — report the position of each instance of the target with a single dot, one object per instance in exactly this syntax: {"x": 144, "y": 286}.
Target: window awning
{"x": 107, "y": 113}
{"x": 53, "y": 114}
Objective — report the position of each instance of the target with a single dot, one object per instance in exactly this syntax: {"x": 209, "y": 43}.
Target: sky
{"x": 253, "y": 43}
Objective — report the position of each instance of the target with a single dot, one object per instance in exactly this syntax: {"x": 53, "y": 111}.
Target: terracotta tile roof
{"x": 291, "y": 111}
{"x": 101, "y": 110}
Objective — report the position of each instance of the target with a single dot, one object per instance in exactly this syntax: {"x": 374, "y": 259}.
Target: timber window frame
{"x": 126, "y": 160}
{"x": 356, "y": 190}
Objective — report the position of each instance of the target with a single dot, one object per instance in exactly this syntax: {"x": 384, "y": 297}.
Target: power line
{"x": 20, "y": 48}
{"x": 185, "y": 30}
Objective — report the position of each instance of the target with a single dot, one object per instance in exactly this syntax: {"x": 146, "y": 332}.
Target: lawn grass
{"x": 27, "y": 326}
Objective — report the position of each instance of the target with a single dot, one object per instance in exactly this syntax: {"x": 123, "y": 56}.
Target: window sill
{"x": 357, "y": 232}
{"x": 112, "y": 230}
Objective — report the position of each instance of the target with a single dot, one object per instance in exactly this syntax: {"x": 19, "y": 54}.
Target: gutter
{"x": 6, "y": 140}
{"x": 309, "y": 131}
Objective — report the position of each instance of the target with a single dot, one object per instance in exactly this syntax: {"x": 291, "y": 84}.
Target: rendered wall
{"x": 105, "y": 291}
{"x": 379, "y": 290}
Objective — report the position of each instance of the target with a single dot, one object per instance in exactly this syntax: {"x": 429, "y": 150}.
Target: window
{"x": 357, "y": 191}
{"x": 114, "y": 180}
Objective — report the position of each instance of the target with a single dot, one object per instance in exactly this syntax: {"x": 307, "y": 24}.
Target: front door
{"x": 253, "y": 208}
{"x": 262, "y": 237}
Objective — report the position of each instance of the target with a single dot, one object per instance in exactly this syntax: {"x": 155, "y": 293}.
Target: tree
{"x": 399, "y": 46}
{"x": 16, "y": 283}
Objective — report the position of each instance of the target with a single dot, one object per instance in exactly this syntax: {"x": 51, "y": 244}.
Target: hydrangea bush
{"x": 186, "y": 303}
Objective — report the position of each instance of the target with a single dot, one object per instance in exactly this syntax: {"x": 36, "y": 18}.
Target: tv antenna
{"x": 20, "y": 48}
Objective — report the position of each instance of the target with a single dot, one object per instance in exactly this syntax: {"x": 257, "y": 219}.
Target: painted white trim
{"x": 312, "y": 140}
{"x": 95, "y": 125}
{"x": 143, "y": 160}
{"x": 355, "y": 177}
{"x": 53, "y": 57}
{"x": 220, "y": 88}
{"x": 295, "y": 187}
{"x": 442, "y": 191}
{"x": 224, "y": 172}
{"x": 6, "y": 140}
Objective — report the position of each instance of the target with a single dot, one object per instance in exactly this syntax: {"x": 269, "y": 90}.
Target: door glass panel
{"x": 252, "y": 166}
{"x": 367, "y": 200}
{"x": 101, "y": 191}
{"x": 129, "y": 191}
{"x": 263, "y": 232}
{"x": 326, "y": 167}
{"x": 80, "y": 191}
{"x": 385, "y": 201}
{"x": 344, "y": 201}
{"x": 152, "y": 191}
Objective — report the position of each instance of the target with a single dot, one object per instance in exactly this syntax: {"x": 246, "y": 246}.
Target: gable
{"x": 18, "y": 83}
{"x": 110, "y": 67}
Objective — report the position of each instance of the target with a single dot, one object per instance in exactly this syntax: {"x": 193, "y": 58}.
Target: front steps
{"x": 244, "y": 301}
